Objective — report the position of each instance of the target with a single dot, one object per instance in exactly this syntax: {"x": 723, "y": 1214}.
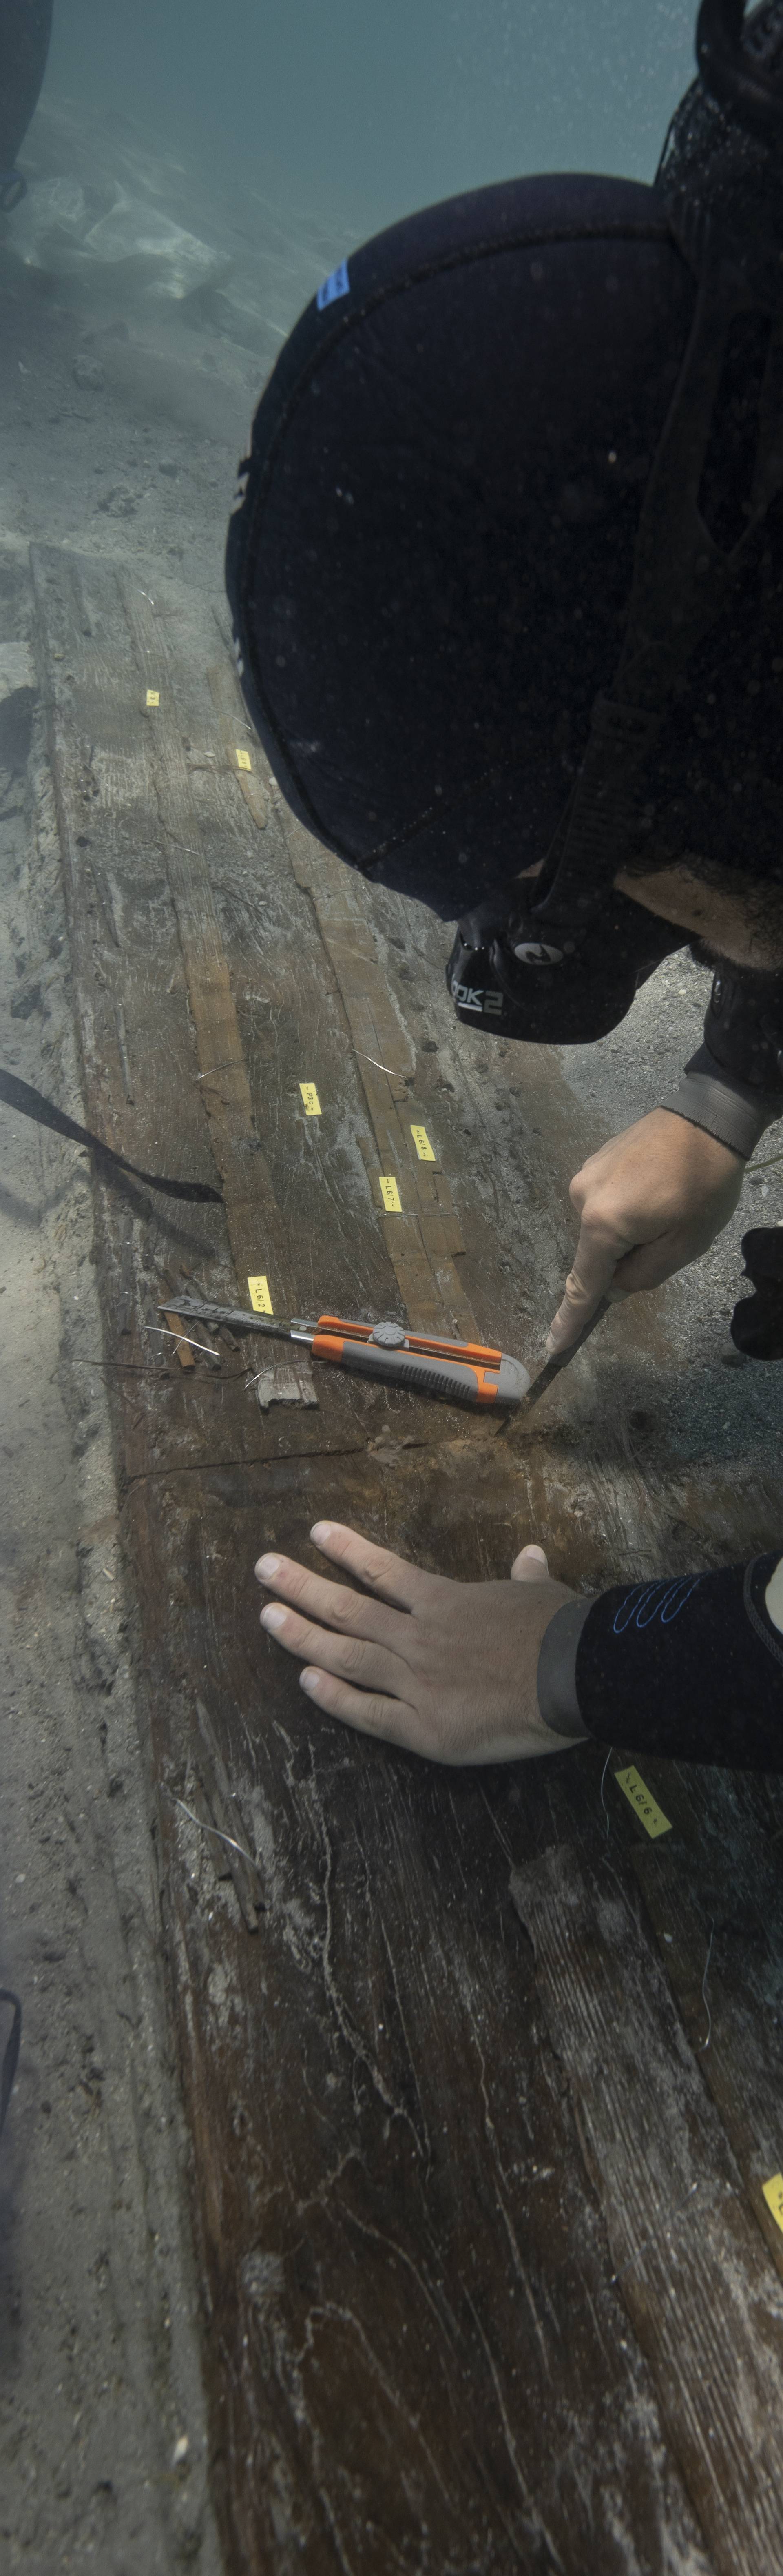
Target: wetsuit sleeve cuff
{"x": 731, "y": 1110}
{"x": 687, "y": 1667}
{"x": 556, "y": 1680}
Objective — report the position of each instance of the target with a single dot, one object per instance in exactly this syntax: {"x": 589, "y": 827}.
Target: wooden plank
{"x": 424, "y": 1262}
{"x": 130, "y": 978}
{"x": 251, "y": 1206}
{"x": 415, "y": 2351}
{"x": 687, "y": 2256}
{"x": 720, "y": 1946}
{"x": 235, "y": 736}
{"x": 416, "y": 2355}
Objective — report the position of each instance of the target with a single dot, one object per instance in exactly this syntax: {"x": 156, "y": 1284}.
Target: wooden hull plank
{"x": 418, "y": 2156}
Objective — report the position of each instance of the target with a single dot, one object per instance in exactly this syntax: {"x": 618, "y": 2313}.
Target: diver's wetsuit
{"x": 434, "y": 543}
{"x": 25, "y": 29}
{"x": 689, "y": 1666}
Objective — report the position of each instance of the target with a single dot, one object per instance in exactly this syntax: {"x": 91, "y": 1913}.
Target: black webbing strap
{"x": 31, "y": 1104}
{"x": 736, "y": 82}
{"x": 10, "y": 2053}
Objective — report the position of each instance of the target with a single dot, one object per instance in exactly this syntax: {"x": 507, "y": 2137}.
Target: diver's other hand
{"x": 446, "y": 1669}
{"x": 650, "y": 1201}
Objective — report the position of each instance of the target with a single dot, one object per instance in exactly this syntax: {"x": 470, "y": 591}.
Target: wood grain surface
{"x": 487, "y": 2276}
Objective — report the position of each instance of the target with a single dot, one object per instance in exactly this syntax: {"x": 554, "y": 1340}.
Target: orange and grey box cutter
{"x": 464, "y": 1372}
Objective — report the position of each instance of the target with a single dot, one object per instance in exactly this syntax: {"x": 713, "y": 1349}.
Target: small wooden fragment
{"x": 186, "y": 1357}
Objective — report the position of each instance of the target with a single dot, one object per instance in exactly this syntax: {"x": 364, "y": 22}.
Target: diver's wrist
{"x": 722, "y": 1104}
{"x": 556, "y": 1676}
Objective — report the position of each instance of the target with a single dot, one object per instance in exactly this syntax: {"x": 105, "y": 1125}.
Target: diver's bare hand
{"x": 650, "y": 1201}
{"x": 446, "y": 1669}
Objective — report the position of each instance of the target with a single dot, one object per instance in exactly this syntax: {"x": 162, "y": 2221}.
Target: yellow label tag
{"x": 310, "y": 1098}
{"x": 773, "y": 2194}
{"x": 153, "y": 697}
{"x": 652, "y": 1817}
{"x": 390, "y": 1193}
{"x": 260, "y": 1299}
{"x": 243, "y": 760}
{"x": 424, "y": 1149}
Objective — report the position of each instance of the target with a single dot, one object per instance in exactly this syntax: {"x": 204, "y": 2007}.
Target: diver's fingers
{"x": 356, "y": 1659}
{"x": 598, "y": 1252}
{"x": 334, "y": 1605}
{"x": 369, "y": 1712}
{"x": 389, "y": 1575}
{"x": 530, "y": 1566}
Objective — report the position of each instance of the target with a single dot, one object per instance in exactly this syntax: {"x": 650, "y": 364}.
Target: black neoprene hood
{"x": 430, "y": 559}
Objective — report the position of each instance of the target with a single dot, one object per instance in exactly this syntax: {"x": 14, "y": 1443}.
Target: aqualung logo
{"x": 534, "y": 952}
{"x": 469, "y": 997}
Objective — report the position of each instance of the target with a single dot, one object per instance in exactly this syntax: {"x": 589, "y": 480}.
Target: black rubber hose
{"x": 728, "y": 74}
{"x": 32, "y": 1104}
{"x": 10, "y": 2053}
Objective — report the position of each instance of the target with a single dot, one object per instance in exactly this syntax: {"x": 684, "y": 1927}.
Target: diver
{"x": 25, "y": 31}
{"x": 515, "y": 497}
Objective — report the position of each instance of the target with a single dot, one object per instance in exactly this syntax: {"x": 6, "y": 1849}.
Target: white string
{"x": 704, "y": 2043}
{"x": 603, "y": 1777}
{"x": 764, "y": 1166}
{"x": 381, "y": 1068}
{"x": 169, "y": 1336}
{"x": 211, "y": 1829}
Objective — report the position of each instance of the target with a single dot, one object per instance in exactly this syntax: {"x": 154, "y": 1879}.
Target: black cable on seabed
{"x": 32, "y": 1104}
{"x": 11, "y": 2052}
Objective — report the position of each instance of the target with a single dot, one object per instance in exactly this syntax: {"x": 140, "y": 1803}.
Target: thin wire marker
{"x": 168, "y": 1336}
{"x": 603, "y": 1777}
{"x": 212, "y": 1829}
{"x": 704, "y": 2043}
{"x": 381, "y": 1068}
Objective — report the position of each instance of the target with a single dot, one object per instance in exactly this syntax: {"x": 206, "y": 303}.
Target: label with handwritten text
{"x": 773, "y": 2194}
{"x": 650, "y": 1816}
{"x": 425, "y": 1151}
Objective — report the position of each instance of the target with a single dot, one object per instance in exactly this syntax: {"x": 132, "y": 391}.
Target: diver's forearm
{"x": 689, "y": 1666}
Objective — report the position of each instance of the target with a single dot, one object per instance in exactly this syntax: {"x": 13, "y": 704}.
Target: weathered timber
{"x": 687, "y": 2256}
{"x": 423, "y": 1247}
{"x": 235, "y": 735}
{"x": 414, "y": 2340}
{"x": 250, "y": 1201}
{"x": 419, "y": 2159}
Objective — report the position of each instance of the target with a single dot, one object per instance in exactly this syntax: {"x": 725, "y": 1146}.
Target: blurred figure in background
{"x": 25, "y": 30}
